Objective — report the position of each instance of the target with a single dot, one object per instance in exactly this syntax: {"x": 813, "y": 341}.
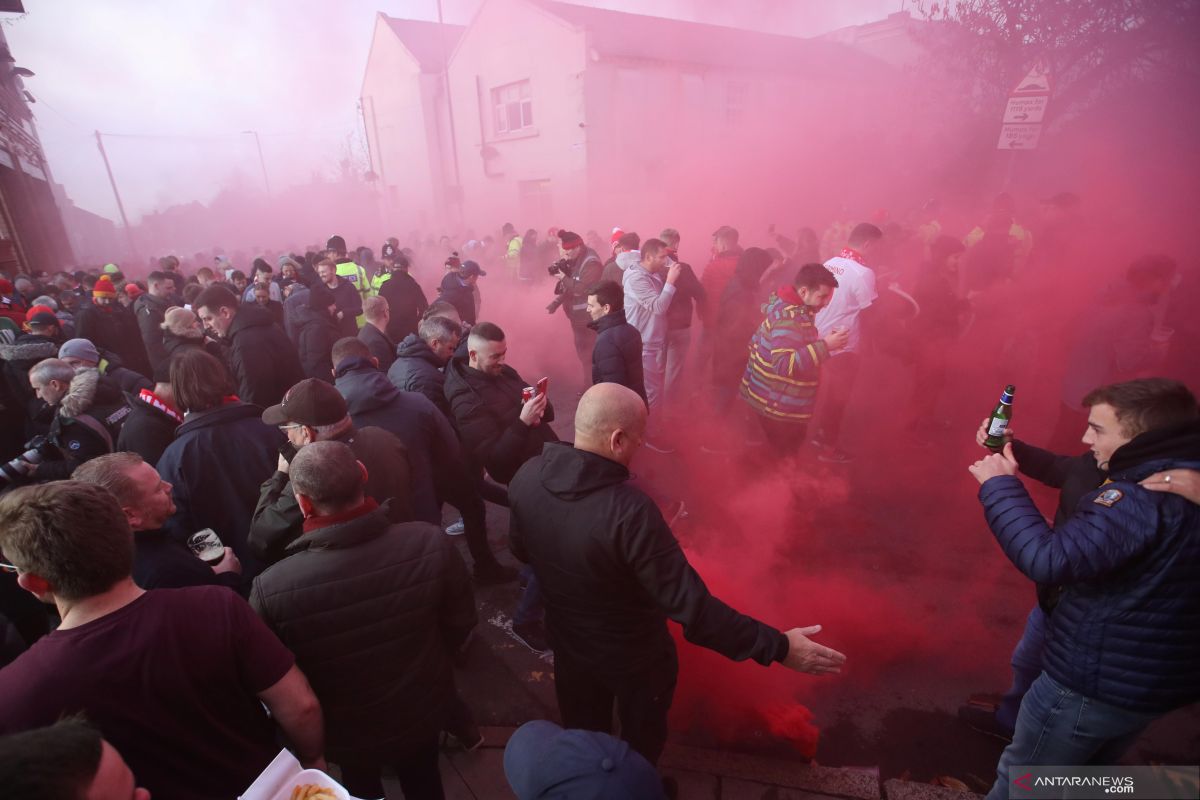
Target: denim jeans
{"x": 530, "y": 606}
{"x": 1026, "y": 665}
{"x": 1058, "y": 726}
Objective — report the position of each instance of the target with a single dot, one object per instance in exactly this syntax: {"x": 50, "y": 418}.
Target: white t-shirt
{"x": 856, "y": 291}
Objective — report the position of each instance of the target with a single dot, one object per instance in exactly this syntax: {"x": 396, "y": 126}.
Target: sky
{"x": 174, "y": 87}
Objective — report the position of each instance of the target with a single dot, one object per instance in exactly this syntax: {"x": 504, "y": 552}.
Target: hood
{"x": 414, "y": 346}
{"x": 250, "y": 317}
{"x": 609, "y": 320}
{"x": 296, "y": 300}
{"x": 573, "y": 474}
{"x": 29, "y": 347}
{"x": 82, "y": 394}
{"x": 230, "y": 412}
{"x": 363, "y": 385}
{"x": 1152, "y": 451}
{"x": 303, "y": 316}
{"x": 628, "y": 259}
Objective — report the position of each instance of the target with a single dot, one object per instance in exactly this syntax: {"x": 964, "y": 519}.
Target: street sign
{"x": 1036, "y": 82}
{"x": 1025, "y": 109}
{"x": 1019, "y": 137}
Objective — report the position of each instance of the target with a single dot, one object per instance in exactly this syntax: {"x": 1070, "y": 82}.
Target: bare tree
{"x": 1090, "y": 47}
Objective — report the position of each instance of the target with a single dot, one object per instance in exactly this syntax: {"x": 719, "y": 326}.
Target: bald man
{"x": 612, "y": 573}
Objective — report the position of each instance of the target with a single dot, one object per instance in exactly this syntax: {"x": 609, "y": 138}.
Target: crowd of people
{"x": 222, "y": 497}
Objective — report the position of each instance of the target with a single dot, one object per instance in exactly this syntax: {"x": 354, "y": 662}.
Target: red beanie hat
{"x": 104, "y": 287}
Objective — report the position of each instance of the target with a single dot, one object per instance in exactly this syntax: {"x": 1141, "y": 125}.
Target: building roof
{"x": 425, "y": 40}
{"x": 637, "y": 36}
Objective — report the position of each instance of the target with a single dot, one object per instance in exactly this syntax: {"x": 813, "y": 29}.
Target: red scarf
{"x": 150, "y": 398}
{"x": 852, "y": 254}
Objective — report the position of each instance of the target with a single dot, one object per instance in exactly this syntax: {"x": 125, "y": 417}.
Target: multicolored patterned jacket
{"x": 782, "y": 373}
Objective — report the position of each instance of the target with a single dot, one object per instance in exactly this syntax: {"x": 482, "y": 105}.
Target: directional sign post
{"x": 1021, "y": 126}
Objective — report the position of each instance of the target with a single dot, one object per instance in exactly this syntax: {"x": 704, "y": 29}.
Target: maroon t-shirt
{"x": 171, "y": 681}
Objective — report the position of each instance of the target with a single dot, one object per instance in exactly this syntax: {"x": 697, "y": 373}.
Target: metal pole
{"x": 458, "y": 191}
{"x": 116, "y": 194}
{"x": 262, "y": 162}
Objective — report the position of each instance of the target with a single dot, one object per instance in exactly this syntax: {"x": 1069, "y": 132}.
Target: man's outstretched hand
{"x": 805, "y": 655}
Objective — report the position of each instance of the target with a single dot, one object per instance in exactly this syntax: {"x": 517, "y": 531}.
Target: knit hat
{"x": 132, "y": 290}
{"x": 41, "y": 315}
{"x": 82, "y": 349}
{"x": 616, "y": 234}
{"x": 104, "y": 287}
{"x": 109, "y": 269}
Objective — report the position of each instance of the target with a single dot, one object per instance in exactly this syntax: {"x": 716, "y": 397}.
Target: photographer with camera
{"x": 83, "y": 427}
{"x": 578, "y": 270}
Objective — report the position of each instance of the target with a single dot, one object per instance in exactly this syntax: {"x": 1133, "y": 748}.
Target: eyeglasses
{"x": 290, "y": 427}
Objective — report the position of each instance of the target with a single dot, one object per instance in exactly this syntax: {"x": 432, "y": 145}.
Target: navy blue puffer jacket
{"x": 1127, "y": 630}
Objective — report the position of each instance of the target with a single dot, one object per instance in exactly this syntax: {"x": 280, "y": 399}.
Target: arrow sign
{"x": 1019, "y": 137}
{"x": 1028, "y": 108}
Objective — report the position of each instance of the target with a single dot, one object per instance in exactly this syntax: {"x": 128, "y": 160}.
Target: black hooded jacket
{"x": 147, "y": 431}
{"x": 428, "y": 438}
{"x": 114, "y": 328}
{"x": 263, "y": 362}
{"x": 487, "y": 413}
{"x": 613, "y": 573}
{"x": 150, "y": 312}
{"x": 314, "y": 332}
{"x": 617, "y": 356}
{"x": 417, "y": 369}
{"x": 406, "y": 304}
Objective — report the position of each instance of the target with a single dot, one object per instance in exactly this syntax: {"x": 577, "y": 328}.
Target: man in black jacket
{"x": 313, "y": 411}
{"x": 150, "y": 309}
{"x": 434, "y": 455}
{"x": 110, "y": 326}
{"x": 377, "y": 312}
{"x": 86, "y": 422}
{"x": 262, "y": 360}
{"x": 374, "y": 612}
{"x": 406, "y": 301}
{"x": 499, "y": 430}
{"x": 617, "y": 356}
{"x": 159, "y": 562}
{"x": 150, "y": 427}
{"x": 612, "y": 574}
{"x": 421, "y": 357}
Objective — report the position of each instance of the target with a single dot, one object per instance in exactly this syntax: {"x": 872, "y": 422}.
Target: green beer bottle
{"x": 998, "y": 423}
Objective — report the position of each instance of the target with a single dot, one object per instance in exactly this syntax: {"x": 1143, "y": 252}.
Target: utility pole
{"x": 262, "y": 162}
{"x": 120, "y": 206}
{"x": 458, "y": 189}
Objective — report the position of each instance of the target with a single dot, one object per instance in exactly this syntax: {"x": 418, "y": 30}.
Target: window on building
{"x": 736, "y": 96}
{"x": 514, "y": 107}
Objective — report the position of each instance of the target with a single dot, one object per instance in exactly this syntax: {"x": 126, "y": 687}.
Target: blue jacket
{"x": 1127, "y": 629}
{"x": 216, "y": 464}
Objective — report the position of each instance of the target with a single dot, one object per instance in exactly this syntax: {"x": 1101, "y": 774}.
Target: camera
{"x": 560, "y": 267}
{"x": 15, "y": 471}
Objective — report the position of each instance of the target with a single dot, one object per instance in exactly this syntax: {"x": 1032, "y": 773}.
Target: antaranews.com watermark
{"x": 1103, "y": 783}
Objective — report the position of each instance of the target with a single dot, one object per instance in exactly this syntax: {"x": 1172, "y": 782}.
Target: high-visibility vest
{"x": 357, "y": 276}
{"x": 378, "y": 281}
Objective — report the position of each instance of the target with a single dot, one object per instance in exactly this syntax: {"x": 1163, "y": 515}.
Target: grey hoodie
{"x": 647, "y": 298}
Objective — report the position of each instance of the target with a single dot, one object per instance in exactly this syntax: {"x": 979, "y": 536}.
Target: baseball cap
{"x": 544, "y": 761}
{"x": 41, "y": 315}
{"x": 470, "y": 268}
{"x": 82, "y": 349}
{"x": 310, "y": 402}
